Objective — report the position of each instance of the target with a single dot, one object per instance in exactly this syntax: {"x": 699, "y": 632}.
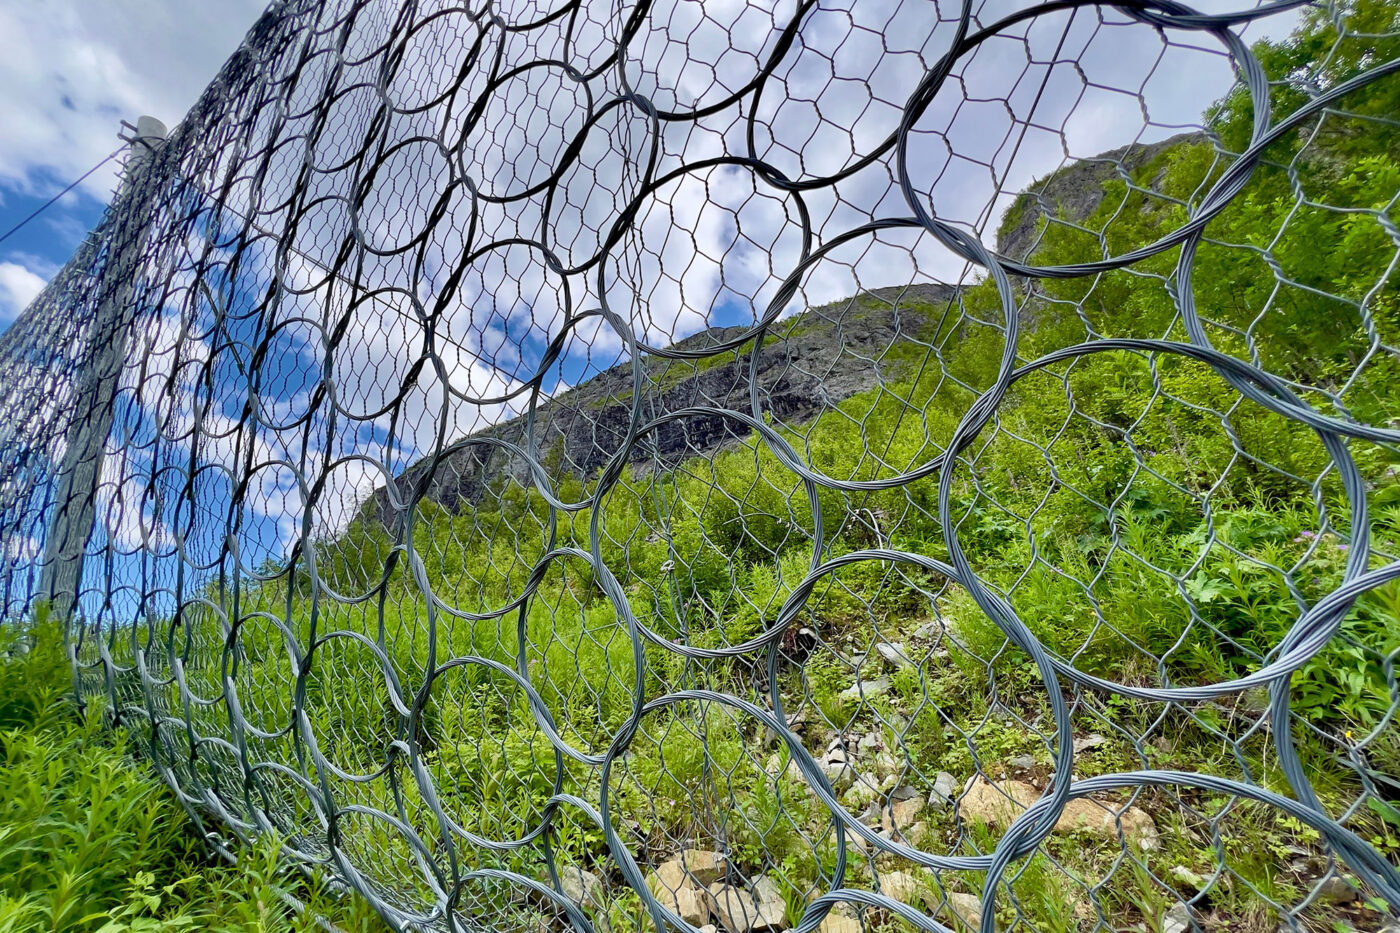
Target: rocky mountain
{"x": 808, "y": 363}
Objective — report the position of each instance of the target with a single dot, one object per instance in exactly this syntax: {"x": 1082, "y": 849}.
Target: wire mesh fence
{"x": 669, "y": 465}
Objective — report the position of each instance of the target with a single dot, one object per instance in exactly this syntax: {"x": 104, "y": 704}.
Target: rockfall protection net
{"x": 877, "y": 465}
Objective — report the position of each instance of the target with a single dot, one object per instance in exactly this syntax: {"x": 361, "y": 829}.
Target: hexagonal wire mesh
{"x": 869, "y": 466}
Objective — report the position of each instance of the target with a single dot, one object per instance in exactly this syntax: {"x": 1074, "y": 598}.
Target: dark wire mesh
{"x": 877, "y": 466}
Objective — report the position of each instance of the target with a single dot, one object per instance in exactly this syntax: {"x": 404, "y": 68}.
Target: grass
{"x": 91, "y": 841}
{"x": 1142, "y": 521}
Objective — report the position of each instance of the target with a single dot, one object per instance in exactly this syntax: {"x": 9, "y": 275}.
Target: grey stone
{"x": 1088, "y": 742}
{"x": 678, "y": 883}
{"x": 999, "y": 804}
{"x": 1177, "y": 919}
{"x": 966, "y": 908}
{"x": 739, "y": 911}
{"x": 903, "y": 886}
{"x": 1187, "y": 876}
{"x": 866, "y": 688}
{"x": 903, "y": 814}
{"x": 836, "y": 923}
{"x": 930, "y": 630}
{"x": 582, "y": 887}
{"x": 836, "y": 765}
{"x": 771, "y": 902}
{"x": 894, "y": 656}
{"x": 1335, "y": 889}
{"x": 945, "y": 788}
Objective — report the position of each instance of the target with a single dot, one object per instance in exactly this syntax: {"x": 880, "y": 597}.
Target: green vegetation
{"x": 1142, "y": 519}
{"x": 90, "y": 843}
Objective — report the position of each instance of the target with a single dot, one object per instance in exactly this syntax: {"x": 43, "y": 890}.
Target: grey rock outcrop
{"x": 1074, "y": 192}
{"x": 807, "y": 365}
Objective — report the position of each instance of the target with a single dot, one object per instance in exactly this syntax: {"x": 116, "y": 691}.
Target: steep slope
{"x": 809, "y": 363}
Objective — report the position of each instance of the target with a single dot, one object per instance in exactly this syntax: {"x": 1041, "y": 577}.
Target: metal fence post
{"x": 94, "y": 398}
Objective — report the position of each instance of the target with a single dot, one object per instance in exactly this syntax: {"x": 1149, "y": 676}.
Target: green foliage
{"x": 89, "y": 841}
{"x": 1140, "y": 518}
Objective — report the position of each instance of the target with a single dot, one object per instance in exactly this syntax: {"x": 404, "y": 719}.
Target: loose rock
{"x": 903, "y": 814}
{"x": 1082, "y": 815}
{"x": 836, "y": 765}
{"x": 1177, "y": 919}
{"x": 835, "y": 923}
{"x": 678, "y": 883}
{"x": 582, "y": 887}
{"x": 967, "y": 908}
{"x": 903, "y": 886}
{"x": 1000, "y": 804}
{"x": 894, "y": 656}
{"x": 945, "y": 788}
{"x": 1087, "y": 742}
{"x": 1335, "y": 890}
{"x": 1187, "y": 876}
{"x": 996, "y": 804}
{"x": 704, "y": 865}
{"x": 769, "y": 895}
{"x": 930, "y": 630}
{"x": 866, "y": 688}
{"x": 860, "y": 793}
{"x": 738, "y": 911}
{"x": 687, "y": 901}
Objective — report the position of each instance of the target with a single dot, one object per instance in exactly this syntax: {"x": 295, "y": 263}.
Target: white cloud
{"x": 71, "y": 70}
{"x": 713, "y": 241}
{"x": 18, "y": 287}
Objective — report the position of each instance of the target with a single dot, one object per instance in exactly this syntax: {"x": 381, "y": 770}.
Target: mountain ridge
{"x": 578, "y": 431}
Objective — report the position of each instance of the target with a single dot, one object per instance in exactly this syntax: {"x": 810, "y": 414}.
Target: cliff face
{"x": 808, "y": 363}
{"x": 1076, "y": 191}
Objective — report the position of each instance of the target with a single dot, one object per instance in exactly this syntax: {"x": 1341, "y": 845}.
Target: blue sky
{"x": 708, "y": 248}
{"x": 70, "y": 71}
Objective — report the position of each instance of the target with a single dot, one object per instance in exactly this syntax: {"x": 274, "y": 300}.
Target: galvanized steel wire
{"x": 299, "y": 240}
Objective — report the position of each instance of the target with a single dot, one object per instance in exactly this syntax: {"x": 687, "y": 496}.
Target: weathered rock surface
{"x": 945, "y": 790}
{"x": 996, "y": 804}
{"x": 903, "y": 886}
{"x": 966, "y": 908}
{"x": 836, "y": 923}
{"x": 901, "y": 815}
{"x": 894, "y": 656}
{"x": 1336, "y": 890}
{"x": 1001, "y": 803}
{"x": 581, "y": 886}
{"x": 679, "y": 883}
{"x": 836, "y": 765}
{"x": 866, "y": 689}
{"x": 740, "y": 911}
{"x": 808, "y": 364}
{"x": 1083, "y": 815}
{"x": 1177, "y": 919}
{"x": 805, "y": 367}
{"x": 1074, "y": 191}
{"x": 1085, "y": 743}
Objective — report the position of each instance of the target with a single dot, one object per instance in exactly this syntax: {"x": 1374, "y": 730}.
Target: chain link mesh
{"x": 847, "y": 466}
